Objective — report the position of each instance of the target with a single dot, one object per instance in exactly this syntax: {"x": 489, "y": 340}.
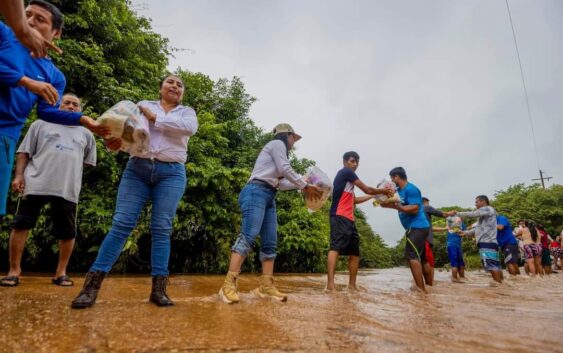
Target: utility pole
{"x": 542, "y": 178}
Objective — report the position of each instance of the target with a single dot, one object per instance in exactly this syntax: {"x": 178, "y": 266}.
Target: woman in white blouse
{"x": 257, "y": 201}
{"x": 158, "y": 175}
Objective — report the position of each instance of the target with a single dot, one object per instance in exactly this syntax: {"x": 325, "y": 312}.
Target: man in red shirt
{"x": 344, "y": 237}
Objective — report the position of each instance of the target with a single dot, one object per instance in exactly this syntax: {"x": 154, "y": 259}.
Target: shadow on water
{"x": 523, "y": 315}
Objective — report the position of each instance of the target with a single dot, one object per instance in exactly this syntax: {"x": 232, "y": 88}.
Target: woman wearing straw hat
{"x": 272, "y": 172}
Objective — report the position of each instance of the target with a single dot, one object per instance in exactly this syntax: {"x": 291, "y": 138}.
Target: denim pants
{"x": 143, "y": 179}
{"x": 258, "y": 206}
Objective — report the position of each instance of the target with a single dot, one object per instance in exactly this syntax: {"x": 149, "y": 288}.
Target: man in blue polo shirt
{"x": 508, "y": 245}
{"x": 413, "y": 219}
{"x": 26, "y": 81}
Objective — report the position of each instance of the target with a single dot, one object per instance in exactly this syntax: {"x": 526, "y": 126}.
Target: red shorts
{"x": 429, "y": 255}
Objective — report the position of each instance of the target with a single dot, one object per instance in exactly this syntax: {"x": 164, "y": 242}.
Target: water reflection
{"x": 523, "y": 315}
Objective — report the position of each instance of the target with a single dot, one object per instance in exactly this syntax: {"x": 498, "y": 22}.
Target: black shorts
{"x": 511, "y": 254}
{"x": 63, "y": 214}
{"x": 344, "y": 236}
{"x": 415, "y": 248}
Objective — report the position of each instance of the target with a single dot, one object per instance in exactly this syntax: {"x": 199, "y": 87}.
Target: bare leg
{"x": 236, "y": 262}
{"x": 17, "y": 245}
{"x": 331, "y": 261}
{"x": 65, "y": 250}
{"x": 428, "y": 273}
{"x": 353, "y": 264}
{"x": 455, "y": 274}
{"x": 416, "y": 270}
{"x": 538, "y": 266}
{"x": 513, "y": 269}
{"x": 531, "y": 267}
{"x": 268, "y": 267}
{"x": 497, "y": 275}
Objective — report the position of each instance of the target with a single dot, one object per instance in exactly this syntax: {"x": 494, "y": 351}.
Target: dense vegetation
{"x": 111, "y": 54}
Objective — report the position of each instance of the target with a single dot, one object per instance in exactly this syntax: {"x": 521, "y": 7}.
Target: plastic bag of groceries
{"x": 384, "y": 199}
{"x": 453, "y": 223}
{"x": 126, "y": 122}
{"x": 319, "y": 178}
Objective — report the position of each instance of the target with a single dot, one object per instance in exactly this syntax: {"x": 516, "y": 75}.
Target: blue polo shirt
{"x": 16, "y": 102}
{"x": 505, "y": 235}
{"x": 410, "y": 195}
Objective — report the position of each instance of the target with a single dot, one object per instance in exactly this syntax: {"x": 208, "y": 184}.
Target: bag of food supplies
{"x": 453, "y": 223}
{"x": 126, "y": 122}
{"x": 319, "y": 178}
{"x": 384, "y": 199}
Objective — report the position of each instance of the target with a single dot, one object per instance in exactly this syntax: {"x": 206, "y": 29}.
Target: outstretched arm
{"x": 362, "y": 199}
{"x": 373, "y": 191}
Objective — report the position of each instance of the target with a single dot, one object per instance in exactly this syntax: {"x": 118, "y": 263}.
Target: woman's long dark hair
{"x": 533, "y": 231}
{"x": 282, "y": 136}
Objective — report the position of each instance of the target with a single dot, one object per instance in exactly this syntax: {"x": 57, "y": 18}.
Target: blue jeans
{"x": 258, "y": 206}
{"x": 143, "y": 179}
{"x": 7, "y": 152}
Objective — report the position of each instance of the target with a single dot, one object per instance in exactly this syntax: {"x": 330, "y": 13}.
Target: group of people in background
{"x": 51, "y": 157}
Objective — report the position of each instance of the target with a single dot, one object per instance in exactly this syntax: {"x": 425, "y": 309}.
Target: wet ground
{"x": 524, "y": 315}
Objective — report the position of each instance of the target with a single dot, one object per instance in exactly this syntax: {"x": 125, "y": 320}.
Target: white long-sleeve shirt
{"x": 170, "y": 133}
{"x": 272, "y": 166}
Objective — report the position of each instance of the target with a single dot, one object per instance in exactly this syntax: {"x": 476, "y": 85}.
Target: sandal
{"x": 63, "y": 281}
{"x": 9, "y": 281}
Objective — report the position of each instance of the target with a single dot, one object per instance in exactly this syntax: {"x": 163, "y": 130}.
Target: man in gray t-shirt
{"x": 49, "y": 168}
{"x": 485, "y": 234}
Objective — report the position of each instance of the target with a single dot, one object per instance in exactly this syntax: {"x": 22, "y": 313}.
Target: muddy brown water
{"x": 523, "y": 315}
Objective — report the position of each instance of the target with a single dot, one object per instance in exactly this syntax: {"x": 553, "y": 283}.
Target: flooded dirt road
{"x": 524, "y": 315}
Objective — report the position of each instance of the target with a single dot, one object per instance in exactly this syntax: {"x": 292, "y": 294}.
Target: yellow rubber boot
{"x": 268, "y": 290}
{"x": 229, "y": 291}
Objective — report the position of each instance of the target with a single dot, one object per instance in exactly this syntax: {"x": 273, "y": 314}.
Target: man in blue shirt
{"x": 14, "y": 13}
{"x": 413, "y": 219}
{"x": 26, "y": 81}
{"x": 508, "y": 245}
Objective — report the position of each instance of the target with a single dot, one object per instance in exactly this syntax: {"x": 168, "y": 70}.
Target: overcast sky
{"x": 433, "y": 86}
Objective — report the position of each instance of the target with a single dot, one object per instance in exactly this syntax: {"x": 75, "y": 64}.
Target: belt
{"x": 152, "y": 160}
{"x": 263, "y": 183}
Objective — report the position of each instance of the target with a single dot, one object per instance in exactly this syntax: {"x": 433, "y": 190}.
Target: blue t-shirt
{"x": 454, "y": 239}
{"x": 16, "y": 102}
{"x": 410, "y": 195}
{"x": 343, "y": 194}
{"x": 505, "y": 235}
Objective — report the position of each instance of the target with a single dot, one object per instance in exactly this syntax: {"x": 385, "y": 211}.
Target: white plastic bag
{"x": 126, "y": 122}
{"x": 384, "y": 199}
{"x": 453, "y": 223}
{"x": 319, "y": 178}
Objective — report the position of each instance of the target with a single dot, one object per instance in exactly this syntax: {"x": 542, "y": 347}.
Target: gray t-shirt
{"x": 56, "y": 157}
{"x": 486, "y": 230}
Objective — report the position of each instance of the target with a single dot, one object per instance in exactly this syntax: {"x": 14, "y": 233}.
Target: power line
{"x": 524, "y": 86}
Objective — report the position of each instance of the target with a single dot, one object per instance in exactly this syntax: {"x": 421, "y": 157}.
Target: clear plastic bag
{"x": 126, "y": 122}
{"x": 319, "y": 178}
{"x": 384, "y": 199}
{"x": 454, "y": 224}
